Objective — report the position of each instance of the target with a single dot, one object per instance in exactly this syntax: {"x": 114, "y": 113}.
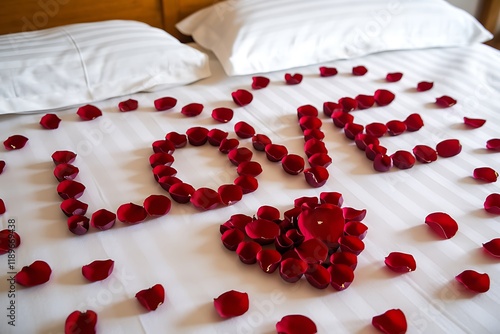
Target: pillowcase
{"x": 87, "y": 62}
{"x": 252, "y": 36}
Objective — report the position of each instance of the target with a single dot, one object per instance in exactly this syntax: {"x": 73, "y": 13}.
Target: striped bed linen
{"x": 183, "y": 251}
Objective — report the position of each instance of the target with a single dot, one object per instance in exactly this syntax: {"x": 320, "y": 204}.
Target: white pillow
{"x": 87, "y": 62}
{"x": 252, "y": 36}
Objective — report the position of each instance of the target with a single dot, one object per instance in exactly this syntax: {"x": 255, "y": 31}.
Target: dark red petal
{"x": 247, "y": 183}
{"x": 308, "y": 202}
{"x": 296, "y": 324}
{"x": 230, "y": 194}
{"x": 359, "y": 70}
{"x": 347, "y": 258}
{"x": 165, "y": 103}
{"x": 61, "y": 157}
{"x": 247, "y": 251}
{"x": 365, "y": 101}
{"x": 331, "y": 197}
{"x": 326, "y": 224}
{"x": 275, "y": 152}
{"x": 167, "y": 181}
{"x": 327, "y": 71}
{"x": 89, "y": 112}
{"x": 352, "y": 129}
{"x": 81, "y": 323}
{"x": 493, "y": 144}
{"x": 349, "y": 243}
{"x": 35, "y": 274}
{"x": 474, "y": 281}
{"x": 376, "y": 129}
{"x": 316, "y": 176}
{"x": 239, "y": 221}
{"x": 161, "y": 159}
{"x": 98, "y": 270}
{"x": 244, "y": 130}
{"x": 382, "y": 163}
{"x": 15, "y": 142}
{"x": 240, "y": 155}
{"x": 474, "y": 122}
{"x": 131, "y": 213}
{"x": 492, "y": 247}
{"x": 341, "y": 119}
{"x": 310, "y": 122}
{"x": 179, "y": 140}
{"x": 395, "y": 128}
{"x": 262, "y": 231}
{"x": 307, "y": 110}
{"x": 348, "y": 104}
{"x": 65, "y": 172}
{"x": 260, "y": 82}
{"x": 163, "y": 146}
{"x": 9, "y": 239}
{"x": 151, "y": 298}
{"x": 50, "y": 121}
{"x": 313, "y": 134}
{"x": 449, "y": 148}
{"x": 2, "y": 207}
{"x": 312, "y": 251}
{"x": 162, "y": 171}
{"x": 391, "y": 322}
{"x": 103, "y": 219}
{"x": 425, "y": 154}
{"x": 242, "y": 97}
{"x": 181, "y": 192}
{"x": 442, "y": 223}
{"x": 268, "y": 212}
{"x": 330, "y": 107}
{"x": 294, "y": 79}
{"x": 70, "y": 189}
{"x": 291, "y": 269}
{"x": 400, "y": 262}
{"x": 424, "y": 86}
{"x": 351, "y": 214}
{"x": 362, "y": 140}
{"x": 157, "y": 205}
{"x": 313, "y": 146}
{"x": 205, "y": 199}
{"x": 492, "y": 204}
{"x": 394, "y": 77}
{"x": 222, "y": 114}
{"x": 2, "y": 166}
{"x": 228, "y": 144}
{"x": 216, "y": 136}
{"x": 293, "y": 164}
{"x": 268, "y": 260}
{"x": 197, "y": 135}
{"x": 403, "y": 159}
{"x": 486, "y": 174}
{"x": 413, "y": 122}
{"x": 192, "y": 109}
{"x": 231, "y": 238}
{"x": 249, "y": 168}
{"x": 318, "y": 276}
{"x": 128, "y": 105}
{"x": 231, "y": 304}
{"x": 445, "y": 101}
{"x": 320, "y": 159}
{"x": 78, "y": 224}
{"x": 383, "y": 97}
{"x": 371, "y": 151}
{"x": 341, "y": 276}
{"x": 356, "y": 228}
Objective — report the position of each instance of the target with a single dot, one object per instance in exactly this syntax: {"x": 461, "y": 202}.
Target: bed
{"x": 182, "y": 250}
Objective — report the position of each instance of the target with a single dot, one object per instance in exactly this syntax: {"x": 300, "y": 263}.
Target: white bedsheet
{"x": 183, "y": 251}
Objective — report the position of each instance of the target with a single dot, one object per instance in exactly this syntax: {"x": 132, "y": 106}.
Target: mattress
{"x": 183, "y": 250}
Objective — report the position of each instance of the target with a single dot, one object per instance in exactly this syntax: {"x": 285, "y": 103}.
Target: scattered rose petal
{"x": 356, "y": 228}
{"x": 197, "y": 135}
{"x": 323, "y": 223}
{"x": 151, "y": 298}
{"x": 247, "y": 183}
{"x": 179, "y": 140}
{"x": 157, "y": 205}
{"x": 161, "y": 159}
{"x": 331, "y": 197}
{"x": 400, "y": 262}
{"x": 313, "y": 146}
{"x": 268, "y": 260}
{"x": 382, "y": 163}
{"x": 474, "y": 122}
{"x": 307, "y": 110}
{"x": 296, "y": 324}
{"x": 239, "y": 221}
{"x": 2, "y": 207}
{"x": 371, "y": 151}
{"x": 230, "y": 194}
{"x": 222, "y": 114}
{"x": 35, "y": 274}
{"x": 131, "y": 213}
{"x": 341, "y": 119}
{"x": 89, "y": 112}
{"x": 391, "y": 322}
{"x": 291, "y": 269}
{"x": 192, "y": 109}
{"x": 78, "y": 224}
{"x": 376, "y": 129}
{"x": 181, "y": 192}
{"x": 294, "y": 79}
{"x": 310, "y": 122}
{"x": 330, "y": 107}
{"x": 359, "y": 70}
{"x": 349, "y": 243}
{"x": 320, "y": 159}
{"x": 81, "y": 323}
{"x": 394, "y": 77}
{"x": 2, "y": 166}
{"x": 492, "y": 247}
{"x": 163, "y": 146}
{"x": 242, "y": 97}
{"x": 216, "y": 136}
{"x": 62, "y": 157}
{"x": 260, "y": 141}
{"x": 348, "y": 104}
{"x": 424, "y": 86}
{"x": 308, "y": 202}
{"x": 165, "y": 103}
{"x": 413, "y": 122}
{"x": 352, "y": 129}
{"x": 341, "y": 276}
{"x": 395, "y": 128}
{"x": 445, "y": 101}
{"x": 70, "y": 189}
{"x": 327, "y": 71}
{"x": 275, "y": 152}
{"x": 103, "y": 219}
{"x": 249, "y": 168}
{"x": 65, "y": 172}
{"x": 244, "y": 130}
{"x": 240, "y": 155}
{"x": 442, "y": 223}
{"x": 425, "y": 154}
{"x": 259, "y": 82}
{"x": 316, "y": 176}
{"x": 347, "y": 258}
{"x": 231, "y": 238}
{"x": 167, "y": 181}
{"x": 293, "y": 164}
{"x": 128, "y": 105}
{"x": 449, "y": 148}
{"x": 231, "y": 304}
{"x": 383, "y": 97}
{"x": 262, "y": 231}
{"x": 50, "y": 121}
{"x": 365, "y": 101}
{"x": 205, "y": 199}
{"x": 492, "y": 204}
{"x": 312, "y": 251}
{"x": 486, "y": 174}
{"x": 351, "y": 214}
{"x": 318, "y": 276}
{"x": 403, "y": 159}
{"x": 474, "y": 281}
{"x": 362, "y": 140}
{"x": 9, "y": 239}
{"x": 247, "y": 251}
{"x": 268, "y": 212}
{"x": 493, "y": 144}
{"x": 163, "y": 171}
{"x": 98, "y": 270}
{"x": 15, "y": 142}
{"x": 313, "y": 134}
{"x": 228, "y": 144}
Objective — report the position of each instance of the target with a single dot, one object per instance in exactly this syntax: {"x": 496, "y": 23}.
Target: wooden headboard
{"x": 27, "y": 15}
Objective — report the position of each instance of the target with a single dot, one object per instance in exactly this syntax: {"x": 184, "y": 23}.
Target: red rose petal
{"x": 348, "y": 104}
{"x": 394, "y": 77}
{"x": 163, "y": 146}
{"x": 449, "y": 148}
{"x": 162, "y": 171}
{"x": 262, "y": 231}
{"x": 341, "y": 276}
{"x": 425, "y": 154}
{"x": 351, "y": 214}
{"x": 346, "y": 258}
{"x": 356, "y": 228}
{"x": 320, "y": 159}
{"x": 89, "y": 112}
{"x": 365, "y": 101}
{"x": 165, "y": 103}
{"x": 35, "y": 274}
{"x": 268, "y": 212}
{"x": 349, "y": 243}
{"x": 205, "y": 199}
{"x": 228, "y": 144}
{"x": 275, "y": 152}
{"x": 15, "y": 142}
{"x": 403, "y": 159}
{"x": 316, "y": 176}
{"x": 81, "y": 323}
{"x": 192, "y": 109}
{"x": 249, "y": 168}
{"x": 424, "y": 86}
{"x": 327, "y": 71}
{"x": 259, "y": 82}
{"x": 231, "y": 304}
{"x": 128, "y": 105}
{"x": 242, "y": 97}
{"x": 50, "y": 121}
{"x": 103, "y": 219}
{"x": 222, "y": 114}
{"x": 400, "y": 262}
{"x": 61, "y": 157}
{"x": 395, "y": 128}
{"x": 179, "y": 140}
{"x": 9, "y": 239}
{"x": 371, "y": 151}
{"x": 230, "y": 194}
{"x": 341, "y": 119}
{"x": 247, "y": 251}
{"x": 474, "y": 122}
{"x": 331, "y": 197}
{"x": 474, "y": 281}
{"x": 391, "y": 322}
{"x": 492, "y": 203}
{"x": 161, "y": 159}
{"x": 313, "y": 134}
{"x": 247, "y": 183}
{"x": 244, "y": 130}
{"x": 231, "y": 238}
{"x": 181, "y": 192}
{"x": 318, "y": 276}
{"x": 313, "y": 146}
{"x": 493, "y": 144}
{"x": 2, "y": 166}
{"x": 65, "y": 172}
{"x": 376, "y": 129}
{"x": 167, "y": 181}
{"x": 216, "y": 136}
{"x": 359, "y": 70}
{"x": 157, "y": 205}
{"x": 309, "y": 123}
{"x": 382, "y": 163}
{"x": 325, "y": 224}
{"x": 362, "y": 140}
{"x": 492, "y": 247}
{"x": 293, "y": 164}
{"x": 312, "y": 251}
{"x": 445, "y": 101}
{"x": 98, "y": 270}
{"x": 2, "y": 207}
{"x": 442, "y": 224}
{"x": 291, "y": 269}
{"x": 294, "y": 79}
{"x": 78, "y": 225}
{"x": 70, "y": 189}
{"x": 268, "y": 260}
{"x": 239, "y": 221}
{"x": 486, "y": 174}
{"x": 413, "y": 122}
{"x": 197, "y": 135}
{"x": 131, "y": 213}
{"x": 353, "y": 129}
{"x": 296, "y": 324}
{"x": 383, "y": 97}
{"x": 307, "y": 110}
{"x": 151, "y": 298}
{"x": 330, "y": 107}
